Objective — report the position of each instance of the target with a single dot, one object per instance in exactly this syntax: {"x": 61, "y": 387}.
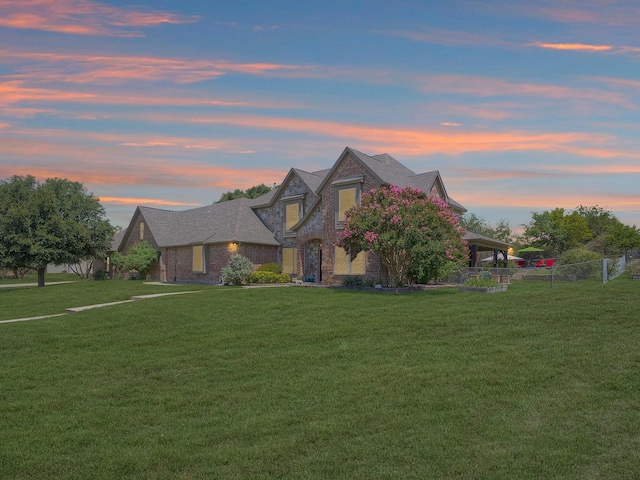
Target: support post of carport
{"x": 473, "y": 262}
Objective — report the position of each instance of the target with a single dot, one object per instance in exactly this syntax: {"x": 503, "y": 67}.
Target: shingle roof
{"x": 232, "y": 221}
{"x": 386, "y": 168}
{"x": 313, "y": 180}
{"x": 117, "y": 240}
{"x": 484, "y": 241}
{"x": 455, "y": 204}
{"x": 392, "y": 172}
{"x": 265, "y": 199}
{"x": 235, "y": 221}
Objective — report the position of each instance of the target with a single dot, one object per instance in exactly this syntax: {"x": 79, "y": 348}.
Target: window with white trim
{"x": 292, "y": 214}
{"x": 347, "y": 195}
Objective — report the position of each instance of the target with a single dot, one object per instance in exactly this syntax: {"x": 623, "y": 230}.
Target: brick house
{"x": 294, "y": 225}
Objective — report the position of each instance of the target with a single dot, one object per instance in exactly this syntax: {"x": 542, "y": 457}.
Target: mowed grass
{"x": 318, "y": 383}
{"x": 28, "y": 301}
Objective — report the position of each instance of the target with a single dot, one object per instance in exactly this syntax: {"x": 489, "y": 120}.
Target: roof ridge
{"x": 156, "y": 208}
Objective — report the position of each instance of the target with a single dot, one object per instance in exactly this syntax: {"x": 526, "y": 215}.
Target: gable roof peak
{"x": 386, "y": 159}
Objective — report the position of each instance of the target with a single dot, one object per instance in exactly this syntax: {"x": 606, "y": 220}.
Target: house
{"x": 294, "y": 225}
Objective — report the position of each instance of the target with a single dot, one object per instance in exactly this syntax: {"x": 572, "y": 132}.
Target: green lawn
{"x": 49, "y": 277}
{"x": 309, "y": 383}
{"x": 27, "y": 301}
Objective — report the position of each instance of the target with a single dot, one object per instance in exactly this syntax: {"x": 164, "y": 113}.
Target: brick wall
{"x": 178, "y": 261}
{"x": 133, "y": 237}
{"x": 273, "y": 216}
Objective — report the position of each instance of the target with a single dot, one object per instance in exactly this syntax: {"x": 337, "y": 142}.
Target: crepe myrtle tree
{"x": 417, "y": 237}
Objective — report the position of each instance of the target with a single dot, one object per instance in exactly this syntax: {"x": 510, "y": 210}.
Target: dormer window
{"x": 347, "y": 196}
{"x": 292, "y": 213}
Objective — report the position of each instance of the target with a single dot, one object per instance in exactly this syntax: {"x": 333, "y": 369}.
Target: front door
{"x": 312, "y": 261}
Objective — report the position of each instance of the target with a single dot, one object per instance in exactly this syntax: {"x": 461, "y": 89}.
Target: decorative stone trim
{"x": 292, "y": 198}
{"x": 348, "y": 180}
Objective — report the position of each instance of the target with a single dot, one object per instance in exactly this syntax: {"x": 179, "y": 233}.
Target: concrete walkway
{"x": 99, "y": 305}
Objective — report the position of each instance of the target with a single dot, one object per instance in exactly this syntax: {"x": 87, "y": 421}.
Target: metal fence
{"x": 501, "y": 275}
{"x": 602, "y": 270}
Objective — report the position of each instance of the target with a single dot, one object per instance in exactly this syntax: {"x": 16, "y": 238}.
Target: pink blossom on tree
{"x": 416, "y": 236}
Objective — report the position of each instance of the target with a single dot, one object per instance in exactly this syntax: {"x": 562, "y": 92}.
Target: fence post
{"x": 605, "y": 274}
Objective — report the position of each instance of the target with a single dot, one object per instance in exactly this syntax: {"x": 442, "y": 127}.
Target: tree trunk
{"x": 41, "y": 276}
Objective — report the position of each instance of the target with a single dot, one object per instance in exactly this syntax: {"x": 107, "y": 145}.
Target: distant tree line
{"x": 253, "y": 192}
{"x": 557, "y": 231}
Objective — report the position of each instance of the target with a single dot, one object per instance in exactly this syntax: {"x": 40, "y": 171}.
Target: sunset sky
{"x": 522, "y": 106}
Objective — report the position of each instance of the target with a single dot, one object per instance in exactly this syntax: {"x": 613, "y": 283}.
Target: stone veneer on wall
{"x": 348, "y": 167}
{"x": 273, "y": 216}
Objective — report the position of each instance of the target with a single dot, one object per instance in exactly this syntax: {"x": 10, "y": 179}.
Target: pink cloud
{"x": 81, "y": 17}
{"x": 494, "y": 111}
{"x": 114, "y": 70}
{"x": 480, "y": 86}
{"x": 179, "y": 174}
{"x": 58, "y": 153}
{"x": 145, "y": 201}
{"x": 105, "y": 69}
{"x": 582, "y": 47}
{"x": 398, "y": 140}
{"x": 15, "y": 92}
{"x": 421, "y": 142}
{"x": 546, "y": 200}
{"x": 573, "y": 12}
{"x": 619, "y": 82}
{"x": 573, "y": 47}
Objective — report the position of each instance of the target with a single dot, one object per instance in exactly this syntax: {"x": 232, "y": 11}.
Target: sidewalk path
{"x": 99, "y": 305}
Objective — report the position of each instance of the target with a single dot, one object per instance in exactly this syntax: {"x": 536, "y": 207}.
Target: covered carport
{"x": 478, "y": 243}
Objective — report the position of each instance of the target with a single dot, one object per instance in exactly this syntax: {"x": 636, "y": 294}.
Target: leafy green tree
{"x": 472, "y": 222}
{"x": 622, "y": 239}
{"x": 598, "y": 219}
{"x": 258, "y": 190}
{"x": 415, "y": 236}
{"x": 580, "y": 262}
{"x": 556, "y": 231}
{"x": 52, "y": 222}
{"x": 117, "y": 260}
{"x": 237, "y": 193}
{"x": 253, "y": 192}
{"x": 140, "y": 257}
{"x": 502, "y": 231}
{"x": 238, "y": 270}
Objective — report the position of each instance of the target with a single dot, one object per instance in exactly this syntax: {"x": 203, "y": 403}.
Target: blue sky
{"x": 521, "y": 106}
